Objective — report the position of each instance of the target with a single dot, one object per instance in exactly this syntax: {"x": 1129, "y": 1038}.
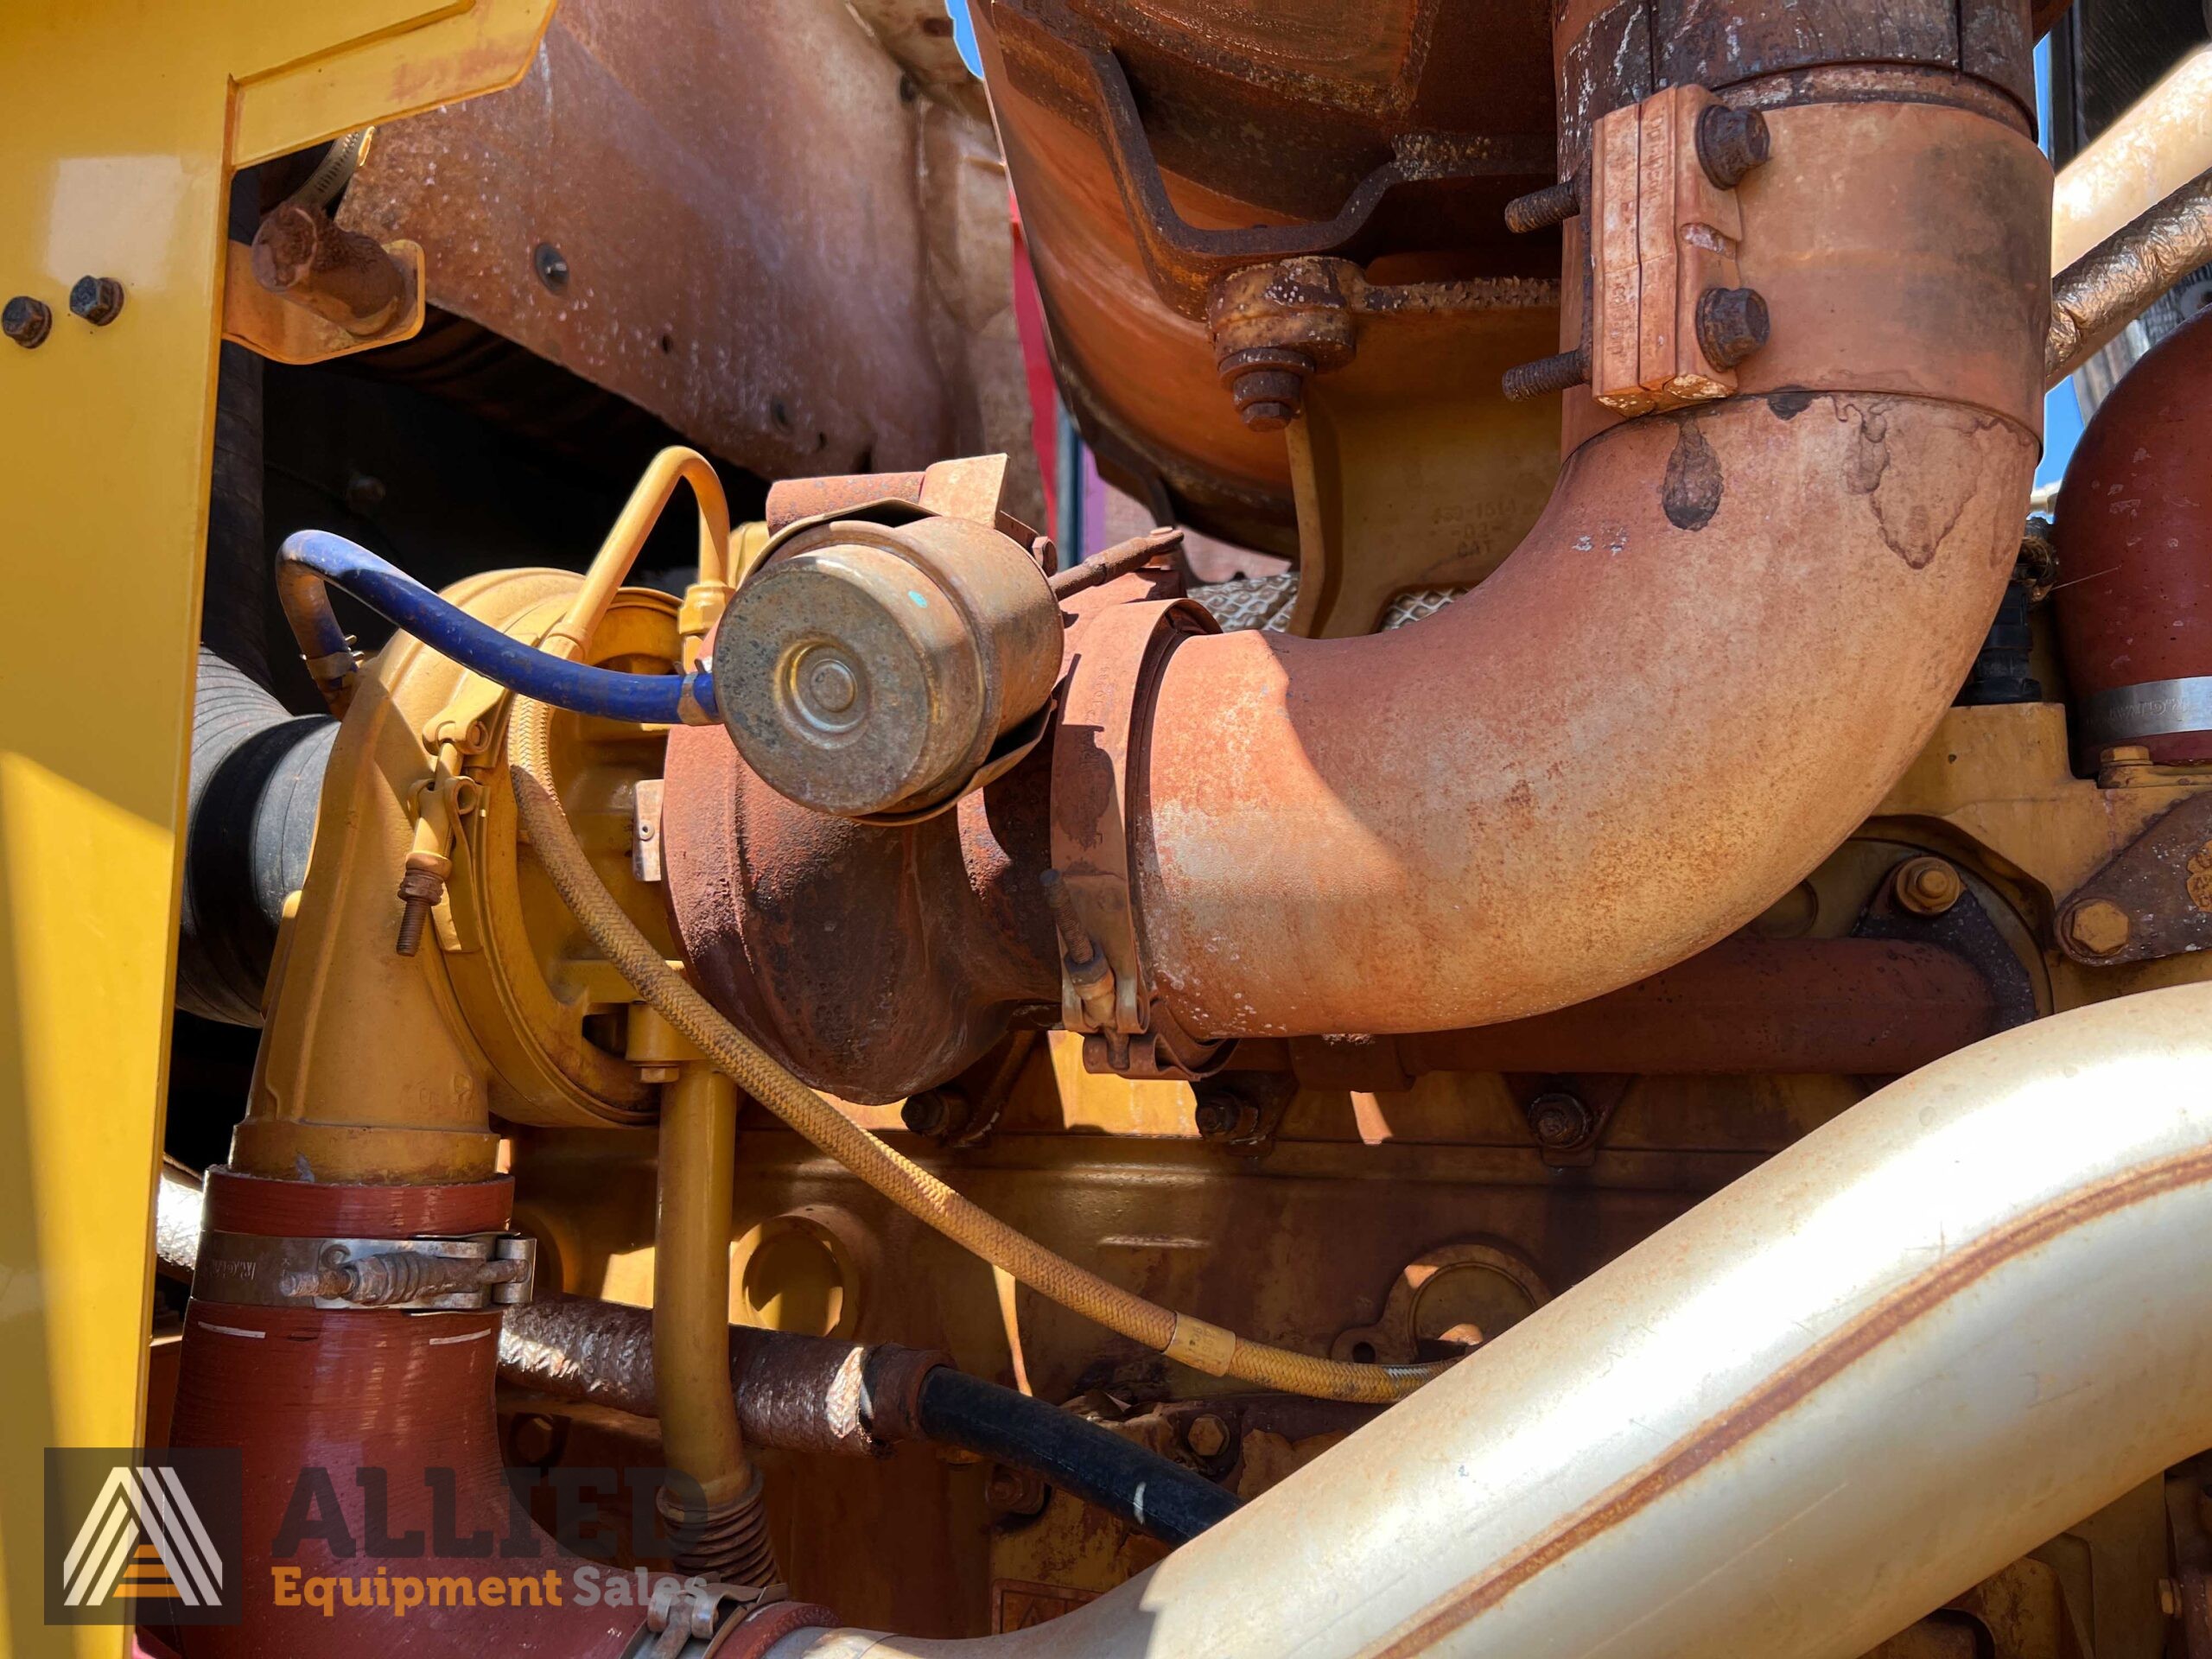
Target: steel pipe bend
{"x": 1841, "y": 1391}
{"x": 1729, "y": 633}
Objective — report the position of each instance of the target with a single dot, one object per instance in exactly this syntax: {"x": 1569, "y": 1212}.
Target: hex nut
{"x": 1731, "y": 324}
{"x": 2097, "y": 927}
{"x": 1558, "y": 1120}
{"x": 26, "y": 321}
{"x": 1731, "y": 143}
{"x": 939, "y": 1114}
{"x": 1206, "y": 1435}
{"x": 98, "y": 300}
{"x": 1928, "y": 886}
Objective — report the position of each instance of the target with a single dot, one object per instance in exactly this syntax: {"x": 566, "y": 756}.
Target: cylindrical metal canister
{"x": 866, "y": 669}
{"x": 2134, "y": 604}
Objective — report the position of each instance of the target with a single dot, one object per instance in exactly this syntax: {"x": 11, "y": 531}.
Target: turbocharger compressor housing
{"x": 867, "y": 671}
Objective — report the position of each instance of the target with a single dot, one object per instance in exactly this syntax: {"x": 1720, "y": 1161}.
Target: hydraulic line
{"x": 699, "y": 1437}
{"x": 1096, "y": 1465}
{"x": 313, "y": 560}
{"x": 1192, "y": 1341}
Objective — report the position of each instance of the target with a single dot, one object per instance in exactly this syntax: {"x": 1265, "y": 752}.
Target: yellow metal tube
{"x": 610, "y": 567}
{"x": 698, "y": 1415}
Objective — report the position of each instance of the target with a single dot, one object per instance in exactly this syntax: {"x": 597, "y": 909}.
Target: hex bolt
{"x": 26, "y": 321}
{"x": 98, "y": 300}
{"x": 1731, "y": 143}
{"x": 1223, "y": 1112}
{"x": 1560, "y": 1120}
{"x": 422, "y": 884}
{"x": 1266, "y": 384}
{"x": 1206, "y": 1435}
{"x": 1731, "y": 324}
{"x": 1928, "y": 886}
{"x": 2097, "y": 927}
{"x": 1545, "y": 375}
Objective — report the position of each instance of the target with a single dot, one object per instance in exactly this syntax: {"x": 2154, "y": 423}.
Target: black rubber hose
{"x": 257, "y": 777}
{"x": 1086, "y": 1459}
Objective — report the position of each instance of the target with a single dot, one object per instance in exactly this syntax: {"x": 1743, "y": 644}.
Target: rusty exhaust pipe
{"x": 1852, "y": 1384}
{"x": 1733, "y": 626}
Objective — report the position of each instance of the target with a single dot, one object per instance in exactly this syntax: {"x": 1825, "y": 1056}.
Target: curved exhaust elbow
{"x": 1727, "y": 636}
{"x": 1729, "y": 633}
{"x": 1852, "y": 1384}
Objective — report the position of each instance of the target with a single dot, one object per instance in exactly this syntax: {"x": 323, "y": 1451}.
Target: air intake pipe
{"x": 1733, "y": 626}
{"x": 1916, "y": 1344}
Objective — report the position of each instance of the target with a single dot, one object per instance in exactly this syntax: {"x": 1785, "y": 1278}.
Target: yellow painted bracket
{"x": 285, "y": 331}
{"x": 125, "y": 122}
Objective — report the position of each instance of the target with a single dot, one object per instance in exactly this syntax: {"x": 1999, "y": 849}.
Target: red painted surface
{"x": 377, "y": 1401}
{"x": 2134, "y": 602}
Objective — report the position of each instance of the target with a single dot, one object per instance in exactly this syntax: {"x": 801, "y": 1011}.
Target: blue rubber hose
{"x": 313, "y": 561}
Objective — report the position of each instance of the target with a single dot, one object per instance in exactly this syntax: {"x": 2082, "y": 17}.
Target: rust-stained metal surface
{"x": 1862, "y": 1007}
{"x": 2154, "y": 899}
{"x": 1551, "y": 882}
{"x": 1203, "y": 141}
{"x": 746, "y": 220}
{"x": 1953, "y": 1260}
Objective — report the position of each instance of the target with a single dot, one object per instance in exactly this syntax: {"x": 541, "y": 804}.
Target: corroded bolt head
{"x": 939, "y": 1114}
{"x": 1222, "y": 1113}
{"x": 26, "y": 321}
{"x": 1559, "y": 1120}
{"x": 1927, "y": 887}
{"x": 2097, "y": 928}
{"x": 1266, "y": 384}
{"x": 1731, "y": 324}
{"x": 1206, "y": 1435}
{"x": 1731, "y": 143}
{"x": 98, "y": 300}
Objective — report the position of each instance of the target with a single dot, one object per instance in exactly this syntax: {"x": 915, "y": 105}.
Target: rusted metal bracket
{"x": 1274, "y": 326}
{"x": 2153, "y": 898}
{"x": 1964, "y": 929}
{"x": 285, "y": 327}
{"x": 1395, "y": 1339}
{"x": 1670, "y": 319}
{"x": 1057, "y": 58}
{"x": 1116, "y": 654}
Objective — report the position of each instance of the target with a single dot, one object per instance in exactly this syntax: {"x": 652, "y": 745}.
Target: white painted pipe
{"x": 2162, "y": 143}
{"x": 1917, "y": 1344}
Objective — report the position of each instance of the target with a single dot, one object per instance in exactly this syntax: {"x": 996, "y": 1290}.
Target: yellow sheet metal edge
{"x": 124, "y": 122}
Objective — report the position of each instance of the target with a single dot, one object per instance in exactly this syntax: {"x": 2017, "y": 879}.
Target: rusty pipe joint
{"x": 341, "y": 275}
{"x": 872, "y": 670}
{"x": 1274, "y": 327}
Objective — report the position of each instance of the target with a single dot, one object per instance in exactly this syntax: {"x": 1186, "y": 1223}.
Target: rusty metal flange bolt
{"x": 1274, "y": 327}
